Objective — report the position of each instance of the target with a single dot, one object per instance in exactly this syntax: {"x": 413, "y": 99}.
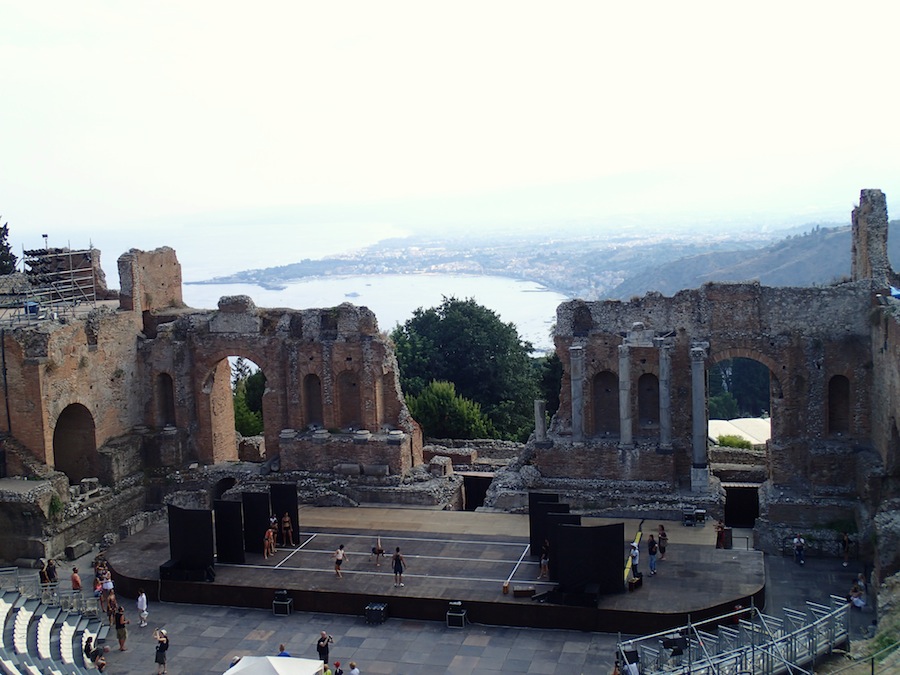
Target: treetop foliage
{"x": 467, "y": 344}
{"x": 8, "y": 259}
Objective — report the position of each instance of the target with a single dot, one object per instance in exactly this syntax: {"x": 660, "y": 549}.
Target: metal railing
{"x": 743, "y": 641}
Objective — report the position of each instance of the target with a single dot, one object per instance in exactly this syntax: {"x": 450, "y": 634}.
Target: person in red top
{"x": 76, "y": 580}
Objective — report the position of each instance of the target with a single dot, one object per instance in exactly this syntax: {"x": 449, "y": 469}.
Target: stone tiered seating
{"x": 36, "y": 639}
{"x": 44, "y": 634}
{"x": 21, "y": 622}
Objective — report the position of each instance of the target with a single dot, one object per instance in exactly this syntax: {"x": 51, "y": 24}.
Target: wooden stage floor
{"x": 450, "y": 556}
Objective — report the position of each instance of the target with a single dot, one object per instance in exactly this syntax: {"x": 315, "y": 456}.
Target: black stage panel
{"x": 190, "y": 538}
{"x": 540, "y": 525}
{"x": 284, "y": 500}
{"x": 256, "y": 520}
{"x": 552, "y": 521}
{"x": 536, "y": 535}
{"x": 229, "y": 531}
{"x": 590, "y": 557}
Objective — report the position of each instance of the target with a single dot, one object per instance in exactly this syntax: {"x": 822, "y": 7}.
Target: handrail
{"x": 870, "y": 658}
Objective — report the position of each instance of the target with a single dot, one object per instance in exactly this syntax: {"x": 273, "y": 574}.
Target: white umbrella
{"x": 276, "y": 665}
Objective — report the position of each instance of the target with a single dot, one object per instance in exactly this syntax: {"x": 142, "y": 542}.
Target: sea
{"x": 394, "y": 297}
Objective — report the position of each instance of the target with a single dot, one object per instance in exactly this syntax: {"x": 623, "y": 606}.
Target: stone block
{"x": 348, "y": 469}
{"x": 77, "y": 549}
{"x": 377, "y": 470}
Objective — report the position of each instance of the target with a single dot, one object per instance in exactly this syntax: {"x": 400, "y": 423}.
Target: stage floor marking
{"x": 296, "y": 550}
{"x": 405, "y": 538}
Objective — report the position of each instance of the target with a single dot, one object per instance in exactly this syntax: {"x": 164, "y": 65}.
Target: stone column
{"x": 576, "y": 364}
{"x": 625, "y": 431}
{"x": 699, "y": 467}
{"x": 540, "y": 420}
{"x": 665, "y": 394}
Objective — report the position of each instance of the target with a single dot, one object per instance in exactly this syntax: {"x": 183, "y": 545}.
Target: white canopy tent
{"x": 276, "y": 665}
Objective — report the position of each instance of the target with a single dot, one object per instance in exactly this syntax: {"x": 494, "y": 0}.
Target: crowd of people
{"x": 108, "y": 603}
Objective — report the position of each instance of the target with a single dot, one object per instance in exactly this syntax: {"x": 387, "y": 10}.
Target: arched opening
{"x": 605, "y": 394}
{"x": 349, "y": 400}
{"x": 236, "y": 401}
{"x": 648, "y": 402}
{"x": 741, "y": 392}
{"x": 165, "y": 400}
{"x": 75, "y": 444}
{"x": 312, "y": 397}
{"x": 222, "y": 487}
{"x": 739, "y": 387}
{"x": 838, "y": 405}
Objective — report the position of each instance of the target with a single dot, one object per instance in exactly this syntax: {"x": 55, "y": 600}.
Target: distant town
{"x": 586, "y": 266}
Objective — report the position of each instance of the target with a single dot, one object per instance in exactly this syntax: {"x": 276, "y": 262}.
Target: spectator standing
{"x": 162, "y": 649}
{"x": 652, "y": 549}
{"x": 142, "y": 607}
{"x": 76, "y": 579}
{"x": 799, "y": 549}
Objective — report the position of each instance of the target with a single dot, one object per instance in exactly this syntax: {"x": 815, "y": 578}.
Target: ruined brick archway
{"x": 216, "y": 404}
{"x": 75, "y": 443}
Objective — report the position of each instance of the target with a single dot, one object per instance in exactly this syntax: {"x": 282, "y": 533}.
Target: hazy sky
{"x": 142, "y": 123}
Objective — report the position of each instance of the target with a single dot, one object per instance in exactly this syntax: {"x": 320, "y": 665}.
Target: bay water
{"x": 394, "y": 297}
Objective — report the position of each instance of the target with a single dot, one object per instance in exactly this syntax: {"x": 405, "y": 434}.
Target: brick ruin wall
{"x": 804, "y": 336}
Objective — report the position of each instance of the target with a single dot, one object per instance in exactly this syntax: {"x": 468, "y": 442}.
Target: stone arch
{"x": 648, "y": 402}
{"x": 776, "y": 391}
{"x": 605, "y": 398}
{"x": 223, "y": 486}
{"x": 838, "y": 405}
{"x": 75, "y": 443}
{"x": 165, "y": 400}
{"x": 349, "y": 400}
{"x": 217, "y": 440}
{"x": 312, "y": 400}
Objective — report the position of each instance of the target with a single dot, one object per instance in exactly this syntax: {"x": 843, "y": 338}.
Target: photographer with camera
{"x": 322, "y": 645}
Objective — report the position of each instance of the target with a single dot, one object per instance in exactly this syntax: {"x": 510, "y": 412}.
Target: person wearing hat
{"x": 162, "y": 646}
{"x": 635, "y": 558}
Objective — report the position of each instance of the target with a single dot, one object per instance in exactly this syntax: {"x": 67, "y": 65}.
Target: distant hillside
{"x": 819, "y": 257}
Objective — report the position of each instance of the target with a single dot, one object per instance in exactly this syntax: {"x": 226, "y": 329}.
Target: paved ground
{"x": 204, "y": 639}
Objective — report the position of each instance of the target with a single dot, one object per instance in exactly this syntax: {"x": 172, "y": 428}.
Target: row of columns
{"x": 698, "y": 353}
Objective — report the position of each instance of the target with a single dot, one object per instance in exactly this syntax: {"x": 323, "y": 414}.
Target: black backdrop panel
{"x": 284, "y": 499}
{"x": 534, "y": 527}
{"x": 229, "y": 531}
{"x": 256, "y": 519}
{"x": 590, "y": 556}
{"x": 539, "y": 524}
{"x": 191, "y": 538}
{"x": 551, "y": 523}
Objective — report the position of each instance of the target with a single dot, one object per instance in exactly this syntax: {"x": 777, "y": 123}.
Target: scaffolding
{"x": 57, "y": 282}
{"x": 742, "y": 642}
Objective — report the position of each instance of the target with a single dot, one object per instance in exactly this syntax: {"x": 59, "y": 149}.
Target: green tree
{"x": 7, "y": 258}
{"x": 746, "y": 380}
{"x": 246, "y": 421}
{"x": 723, "y": 407}
{"x": 550, "y": 372}
{"x": 467, "y": 344}
{"x": 444, "y": 414}
{"x": 256, "y": 387}
{"x": 248, "y": 386}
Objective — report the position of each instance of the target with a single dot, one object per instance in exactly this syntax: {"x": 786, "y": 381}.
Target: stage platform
{"x": 451, "y": 556}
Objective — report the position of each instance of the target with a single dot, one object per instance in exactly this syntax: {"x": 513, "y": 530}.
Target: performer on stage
{"x": 398, "y": 563}
{"x": 377, "y": 552}
{"x": 287, "y": 530}
{"x": 339, "y": 556}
